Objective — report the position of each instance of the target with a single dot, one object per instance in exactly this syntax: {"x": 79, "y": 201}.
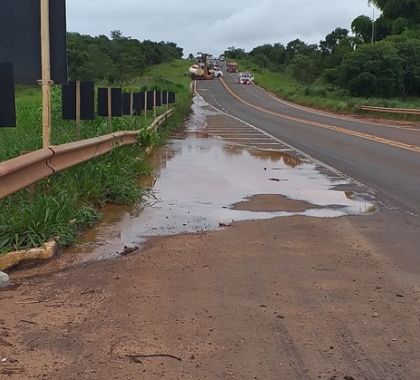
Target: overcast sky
{"x": 212, "y": 26}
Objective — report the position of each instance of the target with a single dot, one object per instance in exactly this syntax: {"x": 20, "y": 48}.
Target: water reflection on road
{"x": 197, "y": 178}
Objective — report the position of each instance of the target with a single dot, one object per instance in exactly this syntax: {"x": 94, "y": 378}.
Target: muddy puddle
{"x": 200, "y": 178}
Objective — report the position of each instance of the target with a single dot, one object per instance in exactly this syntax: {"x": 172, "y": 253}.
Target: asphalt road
{"x": 383, "y": 157}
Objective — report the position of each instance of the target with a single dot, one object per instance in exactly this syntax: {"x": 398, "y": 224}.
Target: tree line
{"x": 115, "y": 59}
{"x": 378, "y": 58}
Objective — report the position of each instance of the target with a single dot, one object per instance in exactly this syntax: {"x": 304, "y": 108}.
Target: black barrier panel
{"x": 102, "y": 101}
{"x": 116, "y": 97}
{"x": 150, "y": 100}
{"x": 138, "y": 103}
{"x": 165, "y": 97}
{"x": 7, "y": 96}
{"x": 137, "y": 106}
{"x": 20, "y": 39}
{"x": 126, "y": 103}
{"x": 68, "y": 101}
{"x": 158, "y": 98}
{"x": 116, "y": 104}
{"x": 87, "y": 101}
{"x": 171, "y": 98}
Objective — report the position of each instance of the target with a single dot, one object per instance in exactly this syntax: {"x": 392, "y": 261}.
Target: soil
{"x": 285, "y": 298}
{"x": 288, "y": 298}
{"x": 272, "y": 203}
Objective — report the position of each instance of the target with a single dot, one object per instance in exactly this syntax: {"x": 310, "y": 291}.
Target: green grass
{"x": 322, "y": 96}
{"x": 65, "y": 204}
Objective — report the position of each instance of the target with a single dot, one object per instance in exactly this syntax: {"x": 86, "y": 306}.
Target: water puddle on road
{"x": 199, "y": 181}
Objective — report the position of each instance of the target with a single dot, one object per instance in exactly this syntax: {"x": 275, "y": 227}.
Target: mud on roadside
{"x": 279, "y": 294}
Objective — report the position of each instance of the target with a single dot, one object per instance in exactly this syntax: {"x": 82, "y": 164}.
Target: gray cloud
{"x": 213, "y": 26}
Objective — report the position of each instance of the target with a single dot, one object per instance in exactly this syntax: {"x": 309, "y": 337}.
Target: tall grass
{"x": 62, "y": 206}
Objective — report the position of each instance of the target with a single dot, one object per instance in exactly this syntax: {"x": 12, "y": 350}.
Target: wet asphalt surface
{"x": 296, "y": 294}
{"x": 393, "y": 172}
{"x": 208, "y": 166}
{"x": 216, "y": 161}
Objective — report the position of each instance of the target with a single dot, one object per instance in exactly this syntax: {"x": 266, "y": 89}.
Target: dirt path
{"x": 289, "y": 298}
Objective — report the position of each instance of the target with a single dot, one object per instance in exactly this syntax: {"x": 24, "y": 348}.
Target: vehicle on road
{"x": 202, "y": 69}
{"x": 232, "y": 67}
{"x": 218, "y": 73}
{"x": 245, "y": 78}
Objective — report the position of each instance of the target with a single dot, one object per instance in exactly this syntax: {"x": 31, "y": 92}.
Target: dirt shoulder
{"x": 289, "y": 298}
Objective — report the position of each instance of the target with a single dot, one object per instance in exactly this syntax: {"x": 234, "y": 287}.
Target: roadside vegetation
{"x": 347, "y": 68}
{"x": 115, "y": 59}
{"x": 321, "y": 95}
{"x": 61, "y": 206}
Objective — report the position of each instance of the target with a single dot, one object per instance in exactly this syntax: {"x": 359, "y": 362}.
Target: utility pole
{"x": 46, "y": 73}
{"x": 373, "y": 26}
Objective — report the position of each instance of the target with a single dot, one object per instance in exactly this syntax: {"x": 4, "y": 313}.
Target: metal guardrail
{"x": 407, "y": 111}
{"x": 23, "y": 171}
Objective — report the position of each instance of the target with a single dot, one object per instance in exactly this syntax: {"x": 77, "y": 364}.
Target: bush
{"x": 363, "y": 85}
{"x": 377, "y": 67}
{"x": 304, "y": 69}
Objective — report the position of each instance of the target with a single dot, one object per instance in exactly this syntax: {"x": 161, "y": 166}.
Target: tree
{"x": 117, "y": 59}
{"x": 362, "y": 28}
{"x": 235, "y": 53}
{"x": 393, "y": 9}
{"x": 409, "y": 52}
{"x": 271, "y": 56}
{"x": 400, "y": 25}
{"x": 333, "y": 40}
{"x": 296, "y": 47}
{"x": 116, "y": 35}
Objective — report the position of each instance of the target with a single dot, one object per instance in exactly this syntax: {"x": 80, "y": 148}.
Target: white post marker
{"x": 46, "y": 73}
{"x": 4, "y": 280}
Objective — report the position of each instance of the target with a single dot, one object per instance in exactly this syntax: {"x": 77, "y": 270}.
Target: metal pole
{"x": 145, "y": 104}
{"x": 373, "y": 26}
{"x": 110, "y": 108}
{"x": 46, "y": 73}
{"x": 78, "y": 109}
{"x": 131, "y": 103}
{"x": 154, "y": 104}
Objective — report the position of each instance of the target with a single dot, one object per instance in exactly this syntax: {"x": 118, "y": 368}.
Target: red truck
{"x": 232, "y": 67}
